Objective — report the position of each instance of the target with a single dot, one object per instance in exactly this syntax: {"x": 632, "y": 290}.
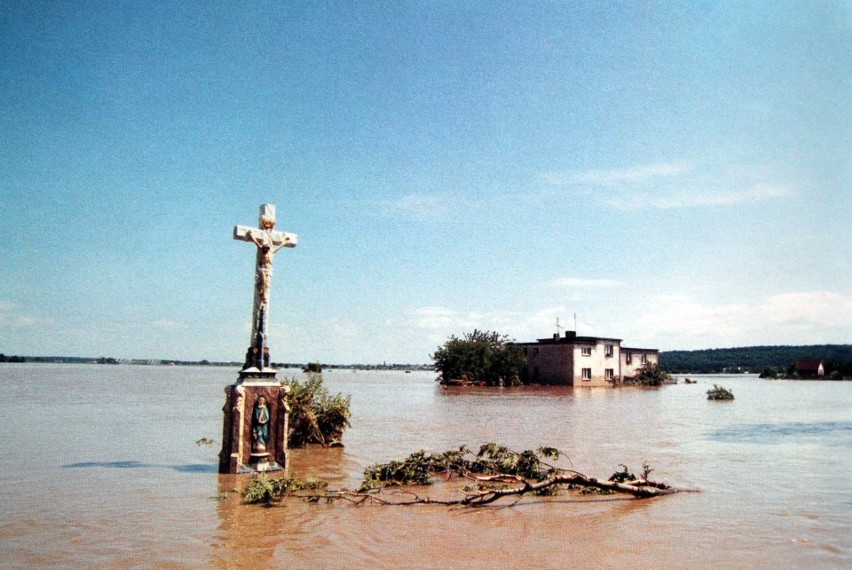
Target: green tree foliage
{"x": 315, "y": 415}
{"x": 719, "y": 393}
{"x": 650, "y": 374}
{"x": 492, "y": 459}
{"x": 262, "y": 489}
{"x": 480, "y": 357}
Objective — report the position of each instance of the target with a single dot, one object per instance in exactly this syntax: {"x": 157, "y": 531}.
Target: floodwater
{"x": 100, "y": 468}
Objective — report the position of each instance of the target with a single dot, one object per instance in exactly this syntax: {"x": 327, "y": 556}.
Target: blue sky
{"x": 675, "y": 174}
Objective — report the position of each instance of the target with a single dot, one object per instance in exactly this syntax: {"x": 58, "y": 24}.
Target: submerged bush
{"x": 719, "y": 393}
{"x": 650, "y": 374}
{"x": 315, "y": 415}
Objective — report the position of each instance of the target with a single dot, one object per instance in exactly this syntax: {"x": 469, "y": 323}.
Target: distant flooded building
{"x": 582, "y": 360}
{"x": 810, "y": 368}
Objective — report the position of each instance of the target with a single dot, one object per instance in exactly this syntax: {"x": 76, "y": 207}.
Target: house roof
{"x": 571, "y": 340}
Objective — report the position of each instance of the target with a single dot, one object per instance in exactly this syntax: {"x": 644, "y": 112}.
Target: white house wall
{"x": 627, "y": 370}
{"x": 597, "y": 361}
{"x": 562, "y": 361}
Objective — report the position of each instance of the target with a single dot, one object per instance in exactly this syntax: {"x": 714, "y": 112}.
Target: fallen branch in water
{"x": 496, "y": 471}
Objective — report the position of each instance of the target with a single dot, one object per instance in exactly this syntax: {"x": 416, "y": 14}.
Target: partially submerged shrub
{"x": 315, "y": 415}
{"x": 719, "y": 393}
{"x": 650, "y": 374}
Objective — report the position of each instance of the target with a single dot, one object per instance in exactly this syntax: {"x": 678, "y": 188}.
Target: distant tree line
{"x": 756, "y": 359}
{"x": 205, "y": 362}
{"x": 4, "y": 358}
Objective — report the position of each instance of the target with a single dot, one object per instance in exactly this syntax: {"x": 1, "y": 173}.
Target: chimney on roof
{"x": 555, "y": 336}
{"x": 571, "y": 334}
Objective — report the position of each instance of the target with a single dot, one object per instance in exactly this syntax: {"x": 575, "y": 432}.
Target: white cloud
{"x": 790, "y": 318}
{"x": 166, "y": 324}
{"x": 438, "y": 323}
{"x": 689, "y": 199}
{"x": 423, "y": 207}
{"x": 445, "y": 320}
{"x": 580, "y": 283}
{"x": 672, "y": 185}
{"x": 9, "y": 316}
{"x": 616, "y": 177}
{"x": 456, "y": 205}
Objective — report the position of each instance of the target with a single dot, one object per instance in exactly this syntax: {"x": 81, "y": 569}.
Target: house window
{"x": 587, "y": 374}
{"x": 586, "y": 351}
{"x": 644, "y": 359}
{"x": 609, "y": 373}
{"x": 608, "y": 350}
{"x": 535, "y": 351}
{"x": 628, "y": 358}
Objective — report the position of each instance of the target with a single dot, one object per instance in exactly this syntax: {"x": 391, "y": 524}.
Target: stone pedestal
{"x": 241, "y": 452}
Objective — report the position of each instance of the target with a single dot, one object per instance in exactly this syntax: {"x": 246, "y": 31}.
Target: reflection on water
{"x": 103, "y": 469}
{"x": 197, "y": 468}
{"x": 837, "y": 434}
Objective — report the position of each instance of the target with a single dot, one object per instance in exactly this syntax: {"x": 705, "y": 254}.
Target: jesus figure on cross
{"x": 268, "y": 242}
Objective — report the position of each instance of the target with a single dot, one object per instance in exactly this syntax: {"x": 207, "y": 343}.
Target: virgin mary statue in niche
{"x": 260, "y": 425}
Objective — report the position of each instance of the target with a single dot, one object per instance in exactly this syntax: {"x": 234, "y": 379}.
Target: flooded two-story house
{"x": 582, "y": 360}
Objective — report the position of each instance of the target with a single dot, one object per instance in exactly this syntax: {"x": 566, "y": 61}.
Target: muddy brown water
{"x": 100, "y": 468}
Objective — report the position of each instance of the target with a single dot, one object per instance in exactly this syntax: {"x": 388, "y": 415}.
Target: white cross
{"x": 268, "y": 242}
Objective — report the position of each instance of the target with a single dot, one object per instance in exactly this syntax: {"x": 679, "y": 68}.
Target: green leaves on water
{"x": 491, "y": 459}
{"x": 262, "y": 489}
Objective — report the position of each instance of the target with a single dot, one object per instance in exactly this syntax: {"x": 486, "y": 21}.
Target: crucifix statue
{"x": 268, "y": 242}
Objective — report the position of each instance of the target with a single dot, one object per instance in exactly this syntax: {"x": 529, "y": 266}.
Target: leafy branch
{"x": 492, "y": 473}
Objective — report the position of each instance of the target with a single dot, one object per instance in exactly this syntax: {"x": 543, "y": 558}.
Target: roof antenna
{"x": 575, "y": 322}
{"x": 558, "y": 327}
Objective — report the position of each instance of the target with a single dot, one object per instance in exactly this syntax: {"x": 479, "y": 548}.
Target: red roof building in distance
{"x": 810, "y": 368}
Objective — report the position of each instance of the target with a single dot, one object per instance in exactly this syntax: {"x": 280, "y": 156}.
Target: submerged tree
{"x": 480, "y": 357}
{"x": 315, "y": 415}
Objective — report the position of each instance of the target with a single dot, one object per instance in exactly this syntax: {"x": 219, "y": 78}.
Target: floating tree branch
{"x": 495, "y": 472}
